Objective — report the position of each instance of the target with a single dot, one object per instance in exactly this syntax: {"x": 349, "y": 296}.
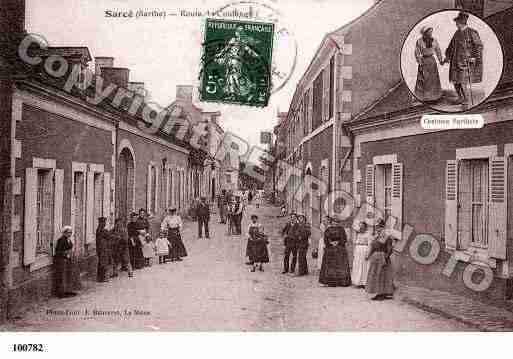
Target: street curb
{"x": 434, "y": 310}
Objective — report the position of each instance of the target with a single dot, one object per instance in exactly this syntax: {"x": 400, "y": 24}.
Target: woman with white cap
{"x": 62, "y": 263}
{"x": 428, "y": 87}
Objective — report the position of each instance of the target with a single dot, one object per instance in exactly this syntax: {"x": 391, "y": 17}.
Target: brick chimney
{"x": 137, "y": 87}
{"x": 184, "y": 93}
{"x": 100, "y": 62}
{"x": 117, "y": 75}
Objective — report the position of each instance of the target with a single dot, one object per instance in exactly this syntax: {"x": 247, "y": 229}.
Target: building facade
{"x": 68, "y": 160}
{"x": 453, "y": 185}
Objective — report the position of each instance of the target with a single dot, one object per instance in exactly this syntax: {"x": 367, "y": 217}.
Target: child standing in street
{"x": 162, "y": 245}
{"x": 257, "y": 245}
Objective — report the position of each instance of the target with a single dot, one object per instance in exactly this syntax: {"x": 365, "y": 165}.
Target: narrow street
{"x": 212, "y": 289}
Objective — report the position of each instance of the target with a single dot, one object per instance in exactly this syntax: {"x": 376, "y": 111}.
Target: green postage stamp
{"x": 236, "y": 62}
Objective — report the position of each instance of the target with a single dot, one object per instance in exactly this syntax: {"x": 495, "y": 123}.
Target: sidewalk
{"x": 473, "y": 313}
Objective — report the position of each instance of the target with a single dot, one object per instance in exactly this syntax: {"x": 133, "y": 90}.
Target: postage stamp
{"x": 236, "y": 62}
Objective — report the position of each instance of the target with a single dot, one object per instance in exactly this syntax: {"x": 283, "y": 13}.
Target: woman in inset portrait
{"x": 428, "y": 87}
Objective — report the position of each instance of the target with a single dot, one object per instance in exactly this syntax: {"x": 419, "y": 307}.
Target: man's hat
{"x": 461, "y": 18}
{"x": 102, "y": 219}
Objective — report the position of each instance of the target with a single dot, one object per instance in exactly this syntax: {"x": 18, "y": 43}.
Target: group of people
{"x": 125, "y": 247}
{"x": 371, "y": 267}
{"x": 231, "y": 210}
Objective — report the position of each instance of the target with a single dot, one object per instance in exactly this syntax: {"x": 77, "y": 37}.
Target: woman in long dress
{"x": 62, "y": 264}
{"x": 335, "y": 270}
{"x": 257, "y": 245}
{"x": 172, "y": 223}
{"x": 361, "y": 247}
{"x": 428, "y": 87}
{"x": 380, "y": 281}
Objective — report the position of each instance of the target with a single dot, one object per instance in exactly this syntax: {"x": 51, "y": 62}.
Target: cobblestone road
{"x": 212, "y": 289}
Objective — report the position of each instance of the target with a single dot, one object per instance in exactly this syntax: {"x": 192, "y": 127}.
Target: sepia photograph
{"x": 452, "y": 60}
{"x": 259, "y": 166}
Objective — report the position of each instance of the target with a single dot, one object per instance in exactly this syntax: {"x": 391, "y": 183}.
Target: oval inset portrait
{"x": 451, "y": 61}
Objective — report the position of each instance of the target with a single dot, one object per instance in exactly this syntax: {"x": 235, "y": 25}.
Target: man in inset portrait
{"x": 465, "y": 55}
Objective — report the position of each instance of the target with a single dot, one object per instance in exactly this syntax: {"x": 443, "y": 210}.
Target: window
{"x": 170, "y": 182}
{"x": 317, "y": 100}
{"x": 98, "y": 198}
{"x": 473, "y": 203}
{"x": 228, "y": 179}
{"x": 152, "y": 191}
{"x": 387, "y": 190}
{"x": 78, "y": 208}
{"x": 331, "y": 100}
{"x": 44, "y": 212}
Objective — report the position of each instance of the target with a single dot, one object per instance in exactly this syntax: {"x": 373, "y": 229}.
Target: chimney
{"x": 100, "y": 62}
{"x": 184, "y": 93}
{"x": 137, "y": 87}
{"x": 117, "y": 75}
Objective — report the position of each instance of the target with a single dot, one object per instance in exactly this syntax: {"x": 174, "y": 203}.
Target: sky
{"x": 165, "y": 52}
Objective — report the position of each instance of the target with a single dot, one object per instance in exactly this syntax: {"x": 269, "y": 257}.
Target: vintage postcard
{"x": 234, "y": 166}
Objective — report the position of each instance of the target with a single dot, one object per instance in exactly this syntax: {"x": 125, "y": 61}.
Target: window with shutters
{"x": 473, "y": 203}
{"x": 387, "y": 190}
{"x": 44, "y": 212}
{"x": 170, "y": 182}
{"x": 79, "y": 213}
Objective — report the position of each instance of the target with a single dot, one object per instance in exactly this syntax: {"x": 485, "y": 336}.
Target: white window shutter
{"x": 106, "y": 194}
{"x": 148, "y": 190}
{"x": 30, "y": 225}
{"x": 156, "y": 199}
{"x": 90, "y": 231}
{"x": 369, "y": 184}
{"x": 58, "y": 176}
{"x": 451, "y": 204}
{"x": 397, "y": 195}
{"x": 168, "y": 190}
{"x": 497, "y": 208}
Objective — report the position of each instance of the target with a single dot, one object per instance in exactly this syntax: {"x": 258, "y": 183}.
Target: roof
{"x": 66, "y": 51}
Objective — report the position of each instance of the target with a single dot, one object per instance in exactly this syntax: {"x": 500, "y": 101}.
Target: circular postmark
{"x": 451, "y": 61}
{"x": 284, "y": 52}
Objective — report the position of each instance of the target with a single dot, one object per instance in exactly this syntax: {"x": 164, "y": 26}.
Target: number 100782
{"x": 28, "y": 348}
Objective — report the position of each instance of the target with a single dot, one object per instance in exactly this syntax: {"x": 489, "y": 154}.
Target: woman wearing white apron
{"x": 361, "y": 247}
{"x": 320, "y": 249}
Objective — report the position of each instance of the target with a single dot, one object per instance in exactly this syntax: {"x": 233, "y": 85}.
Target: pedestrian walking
{"x": 257, "y": 245}
{"x": 103, "y": 250}
{"x": 380, "y": 280}
{"x": 173, "y": 224}
{"x": 258, "y": 198}
{"x": 63, "y": 264}
{"x": 290, "y": 243}
{"x": 302, "y": 234}
{"x": 163, "y": 246}
{"x": 250, "y": 196}
{"x": 203, "y": 217}
{"x": 335, "y": 263}
{"x": 361, "y": 248}
{"x": 121, "y": 254}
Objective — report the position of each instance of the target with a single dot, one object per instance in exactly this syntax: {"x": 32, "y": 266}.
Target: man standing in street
{"x": 465, "y": 56}
{"x": 302, "y": 235}
{"x": 203, "y": 216}
{"x": 288, "y": 232}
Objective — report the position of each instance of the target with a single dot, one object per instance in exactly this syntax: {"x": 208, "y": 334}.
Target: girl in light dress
{"x": 162, "y": 245}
